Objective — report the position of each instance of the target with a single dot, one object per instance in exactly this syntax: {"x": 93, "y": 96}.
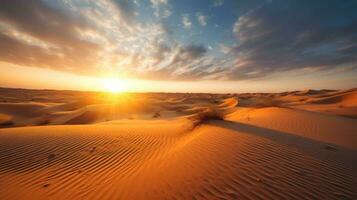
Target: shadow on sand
{"x": 317, "y": 149}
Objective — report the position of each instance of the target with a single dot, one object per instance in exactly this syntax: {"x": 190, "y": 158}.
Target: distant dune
{"x": 83, "y": 145}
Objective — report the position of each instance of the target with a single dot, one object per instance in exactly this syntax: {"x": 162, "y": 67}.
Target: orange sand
{"x": 71, "y": 145}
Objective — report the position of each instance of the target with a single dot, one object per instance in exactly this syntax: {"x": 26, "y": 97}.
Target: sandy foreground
{"x": 82, "y": 145}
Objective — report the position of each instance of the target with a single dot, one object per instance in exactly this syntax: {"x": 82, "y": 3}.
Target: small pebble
{"x": 46, "y": 185}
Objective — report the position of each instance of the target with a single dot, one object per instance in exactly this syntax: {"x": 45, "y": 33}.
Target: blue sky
{"x": 184, "y": 40}
{"x": 219, "y": 18}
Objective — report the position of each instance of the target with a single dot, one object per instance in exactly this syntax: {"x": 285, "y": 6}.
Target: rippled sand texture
{"x": 196, "y": 147}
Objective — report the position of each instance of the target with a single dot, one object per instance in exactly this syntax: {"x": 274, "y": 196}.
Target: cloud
{"x": 126, "y": 8}
{"x": 283, "y": 36}
{"x": 186, "y": 22}
{"x": 65, "y": 36}
{"x": 91, "y": 37}
{"x": 217, "y": 3}
{"x": 224, "y": 49}
{"x": 106, "y": 38}
{"x": 157, "y": 4}
{"x": 42, "y": 36}
{"x": 175, "y": 62}
{"x": 166, "y": 13}
{"x": 202, "y": 19}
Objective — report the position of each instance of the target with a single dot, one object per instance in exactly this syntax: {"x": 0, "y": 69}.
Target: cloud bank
{"x": 295, "y": 36}
{"x": 91, "y": 37}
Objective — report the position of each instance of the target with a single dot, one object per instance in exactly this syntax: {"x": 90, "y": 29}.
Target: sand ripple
{"x": 170, "y": 161}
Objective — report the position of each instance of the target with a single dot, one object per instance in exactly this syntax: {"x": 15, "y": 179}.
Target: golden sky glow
{"x": 36, "y": 78}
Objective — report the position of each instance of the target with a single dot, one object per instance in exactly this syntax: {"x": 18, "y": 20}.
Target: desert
{"x": 178, "y": 99}
{"x": 87, "y": 145}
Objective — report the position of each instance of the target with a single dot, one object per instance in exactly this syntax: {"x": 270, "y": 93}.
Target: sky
{"x": 179, "y": 45}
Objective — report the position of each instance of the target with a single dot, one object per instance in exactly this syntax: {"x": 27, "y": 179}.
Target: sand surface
{"x": 83, "y": 145}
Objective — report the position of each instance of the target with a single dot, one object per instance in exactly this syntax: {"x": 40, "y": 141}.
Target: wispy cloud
{"x": 224, "y": 49}
{"x": 157, "y": 6}
{"x": 217, "y": 3}
{"x": 158, "y": 2}
{"x": 186, "y": 22}
{"x": 202, "y": 19}
{"x": 166, "y": 13}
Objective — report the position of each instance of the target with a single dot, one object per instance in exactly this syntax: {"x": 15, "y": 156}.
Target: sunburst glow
{"x": 114, "y": 85}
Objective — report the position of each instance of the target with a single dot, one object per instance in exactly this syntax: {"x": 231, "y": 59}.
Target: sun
{"x": 114, "y": 85}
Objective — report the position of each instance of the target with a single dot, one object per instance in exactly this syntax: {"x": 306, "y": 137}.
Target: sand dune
{"x": 343, "y": 103}
{"x": 330, "y": 129}
{"x": 167, "y": 160}
{"x": 178, "y": 146}
{"x": 345, "y": 99}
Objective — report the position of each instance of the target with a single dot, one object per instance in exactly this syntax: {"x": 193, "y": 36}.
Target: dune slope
{"x": 216, "y": 160}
